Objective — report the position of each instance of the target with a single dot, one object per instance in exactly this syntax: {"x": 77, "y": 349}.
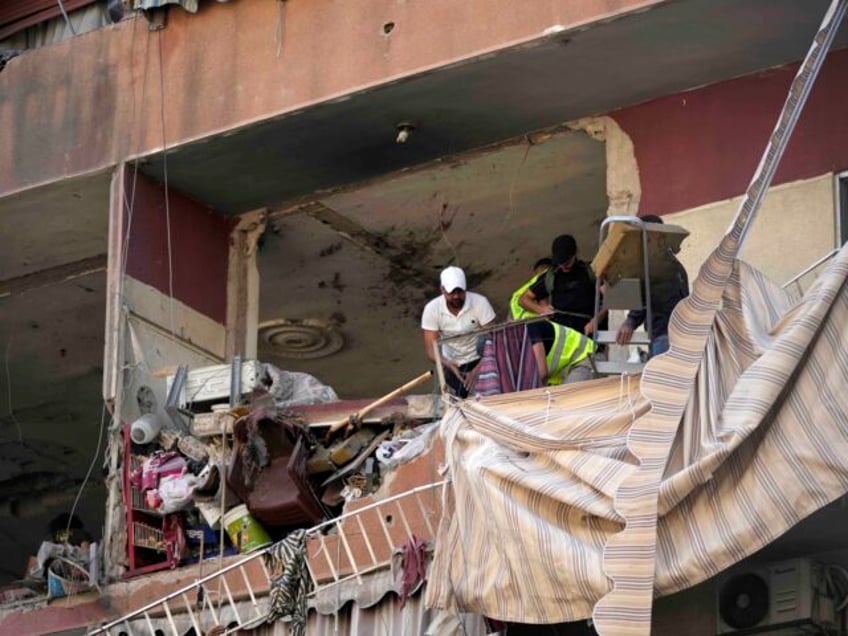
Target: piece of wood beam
{"x": 357, "y": 417}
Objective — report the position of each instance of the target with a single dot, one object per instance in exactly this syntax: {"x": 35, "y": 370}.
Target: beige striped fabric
{"x": 538, "y": 477}
{"x": 590, "y": 499}
{"x": 673, "y": 383}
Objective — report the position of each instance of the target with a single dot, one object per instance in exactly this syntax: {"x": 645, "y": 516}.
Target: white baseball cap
{"x": 453, "y": 278}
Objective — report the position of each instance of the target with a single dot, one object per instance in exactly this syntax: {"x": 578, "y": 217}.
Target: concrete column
{"x": 243, "y": 286}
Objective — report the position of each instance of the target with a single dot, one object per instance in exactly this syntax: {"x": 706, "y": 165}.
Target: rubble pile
{"x": 235, "y": 478}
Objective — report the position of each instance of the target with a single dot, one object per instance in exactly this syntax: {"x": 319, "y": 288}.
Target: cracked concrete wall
{"x": 624, "y": 190}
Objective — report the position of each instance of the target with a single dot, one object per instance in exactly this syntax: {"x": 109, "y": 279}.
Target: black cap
{"x": 563, "y": 248}
{"x": 651, "y": 218}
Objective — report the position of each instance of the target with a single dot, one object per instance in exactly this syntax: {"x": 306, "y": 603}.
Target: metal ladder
{"x": 625, "y": 293}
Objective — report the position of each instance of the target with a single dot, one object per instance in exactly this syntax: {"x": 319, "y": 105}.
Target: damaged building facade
{"x": 282, "y": 180}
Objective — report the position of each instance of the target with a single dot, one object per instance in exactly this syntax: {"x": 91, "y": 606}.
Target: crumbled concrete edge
{"x": 624, "y": 189}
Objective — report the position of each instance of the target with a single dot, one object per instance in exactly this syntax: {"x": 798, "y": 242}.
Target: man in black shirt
{"x": 568, "y": 289}
{"x": 669, "y": 285}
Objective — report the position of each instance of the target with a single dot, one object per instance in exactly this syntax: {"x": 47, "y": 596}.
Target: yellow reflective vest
{"x": 569, "y": 348}
{"x": 516, "y": 311}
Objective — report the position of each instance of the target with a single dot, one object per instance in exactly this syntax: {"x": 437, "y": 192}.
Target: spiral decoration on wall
{"x": 302, "y": 339}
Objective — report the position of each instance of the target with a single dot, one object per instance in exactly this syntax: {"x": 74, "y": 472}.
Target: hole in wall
{"x": 388, "y": 27}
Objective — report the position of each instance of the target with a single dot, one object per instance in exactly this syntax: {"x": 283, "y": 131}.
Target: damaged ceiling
{"x": 365, "y": 262}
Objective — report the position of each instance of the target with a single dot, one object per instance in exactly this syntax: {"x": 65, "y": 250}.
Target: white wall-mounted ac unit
{"x": 774, "y": 596}
{"x": 210, "y": 384}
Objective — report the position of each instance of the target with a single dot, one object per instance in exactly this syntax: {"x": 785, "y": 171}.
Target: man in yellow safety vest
{"x": 516, "y": 311}
{"x": 562, "y": 353}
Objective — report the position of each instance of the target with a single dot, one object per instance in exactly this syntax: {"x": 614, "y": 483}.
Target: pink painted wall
{"x": 91, "y": 101}
{"x": 199, "y": 247}
{"x": 704, "y": 145}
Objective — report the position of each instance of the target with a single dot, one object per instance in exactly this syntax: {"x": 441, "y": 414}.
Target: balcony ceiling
{"x": 671, "y": 47}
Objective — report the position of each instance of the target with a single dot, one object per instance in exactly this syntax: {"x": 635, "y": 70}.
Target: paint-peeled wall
{"x": 702, "y": 146}
{"x": 174, "y": 286}
{"x": 696, "y": 151}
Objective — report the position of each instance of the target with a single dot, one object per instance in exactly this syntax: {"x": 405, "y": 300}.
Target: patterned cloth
{"x": 290, "y": 582}
{"x": 507, "y": 364}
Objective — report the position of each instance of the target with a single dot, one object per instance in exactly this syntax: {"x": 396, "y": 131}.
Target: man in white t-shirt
{"x": 456, "y": 311}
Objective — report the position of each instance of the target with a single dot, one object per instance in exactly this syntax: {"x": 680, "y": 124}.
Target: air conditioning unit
{"x": 789, "y": 596}
{"x": 212, "y": 384}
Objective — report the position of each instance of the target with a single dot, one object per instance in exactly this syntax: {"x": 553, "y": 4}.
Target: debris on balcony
{"x": 65, "y": 564}
{"x": 236, "y": 478}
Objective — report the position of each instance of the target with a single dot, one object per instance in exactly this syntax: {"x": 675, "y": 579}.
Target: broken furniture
{"x": 214, "y": 384}
{"x": 267, "y": 471}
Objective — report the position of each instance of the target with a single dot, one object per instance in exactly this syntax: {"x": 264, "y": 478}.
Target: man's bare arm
{"x": 529, "y": 302}
{"x": 430, "y": 339}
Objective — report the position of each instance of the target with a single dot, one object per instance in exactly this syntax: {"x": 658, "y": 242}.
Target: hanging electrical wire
{"x": 165, "y": 183}
{"x": 90, "y": 468}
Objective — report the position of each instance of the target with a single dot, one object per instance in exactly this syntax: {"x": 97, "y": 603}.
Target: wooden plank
{"x": 620, "y": 255}
{"x": 357, "y": 417}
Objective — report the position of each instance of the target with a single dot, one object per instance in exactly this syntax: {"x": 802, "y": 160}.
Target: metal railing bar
{"x": 149, "y": 624}
{"x": 348, "y": 551}
{"x": 173, "y": 625}
{"x": 376, "y": 504}
{"x": 425, "y": 516}
{"x": 191, "y": 615}
{"x": 184, "y": 589}
{"x": 349, "y": 577}
{"x": 328, "y": 558}
{"x": 367, "y": 540}
{"x": 810, "y": 268}
{"x": 249, "y": 589}
{"x": 210, "y": 603}
{"x": 382, "y": 522}
{"x": 219, "y": 575}
{"x": 404, "y": 520}
{"x": 233, "y": 605}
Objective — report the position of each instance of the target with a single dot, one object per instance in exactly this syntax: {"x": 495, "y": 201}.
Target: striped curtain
{"x": 588, "y": 500}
